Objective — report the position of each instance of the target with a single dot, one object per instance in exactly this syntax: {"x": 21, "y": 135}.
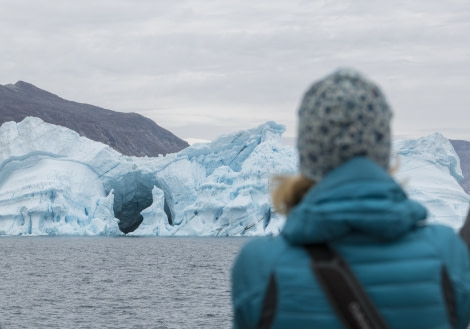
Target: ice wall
{"x": 53, "y": 181}
{"x": 194, "y": 192}
{"x": 429, "y": 169}
{"x": 221, "y": 188}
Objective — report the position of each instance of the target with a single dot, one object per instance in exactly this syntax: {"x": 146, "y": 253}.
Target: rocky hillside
{"x": 128, "y": 133}
{"x": 463, "y": 151}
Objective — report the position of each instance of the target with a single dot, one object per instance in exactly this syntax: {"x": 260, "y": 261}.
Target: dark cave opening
{"x": 131, "y": 199}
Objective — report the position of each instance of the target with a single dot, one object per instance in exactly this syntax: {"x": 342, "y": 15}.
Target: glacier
{"x": 55, "y": 182}
{"x": 429, "y": 169}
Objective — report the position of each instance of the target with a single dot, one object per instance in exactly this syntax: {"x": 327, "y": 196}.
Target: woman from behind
{"x": 415, "y": 274}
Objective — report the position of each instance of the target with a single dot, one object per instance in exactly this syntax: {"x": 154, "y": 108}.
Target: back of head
{"x": 342, "y": 116}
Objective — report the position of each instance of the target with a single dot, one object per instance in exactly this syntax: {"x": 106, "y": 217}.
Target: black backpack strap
{"x": 269, "y": 304}
{"x": 449, "y": 297}
{"x": 465, "y": 230}
{"x": 343, "y": 290}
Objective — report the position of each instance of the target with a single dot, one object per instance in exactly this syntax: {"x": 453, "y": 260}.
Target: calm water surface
{"x": 116, "y": 282}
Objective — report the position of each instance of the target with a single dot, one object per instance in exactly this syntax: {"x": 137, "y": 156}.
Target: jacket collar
{"x": 358, "y": 196}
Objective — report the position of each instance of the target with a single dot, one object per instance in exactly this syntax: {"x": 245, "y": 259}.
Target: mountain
{"x": 55, "y": 182}
{"x": 128, "y": 133}
{"x": 463, "y": 150}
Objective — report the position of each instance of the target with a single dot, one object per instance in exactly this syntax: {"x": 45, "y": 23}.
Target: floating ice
{"x": 55, "y": 182}
{"x": 430, "y": 171}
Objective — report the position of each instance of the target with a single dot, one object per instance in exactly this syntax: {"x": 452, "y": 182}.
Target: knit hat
{"x": 342, "y": 116}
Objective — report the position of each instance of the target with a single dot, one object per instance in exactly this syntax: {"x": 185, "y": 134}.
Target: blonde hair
{"x": 288, "y": 191}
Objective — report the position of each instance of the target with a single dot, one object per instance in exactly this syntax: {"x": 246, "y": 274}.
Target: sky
{"x": 202, "y": 68}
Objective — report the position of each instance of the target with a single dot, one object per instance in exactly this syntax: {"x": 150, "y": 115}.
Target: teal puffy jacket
{"x": 402, "y": 262}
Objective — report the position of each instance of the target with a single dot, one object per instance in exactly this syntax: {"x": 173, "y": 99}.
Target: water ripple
{"x": 120, "y": 282}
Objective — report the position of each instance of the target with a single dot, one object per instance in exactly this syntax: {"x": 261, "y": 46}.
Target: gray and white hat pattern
{"x": 342, "y": 116}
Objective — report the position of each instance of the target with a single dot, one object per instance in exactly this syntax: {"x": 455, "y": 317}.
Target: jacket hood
{"x": 358, "y": 196}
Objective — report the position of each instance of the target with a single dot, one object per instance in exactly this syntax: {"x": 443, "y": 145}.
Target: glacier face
{"x": 54, "y": 182}
{"x": 429, "y": 170}
{"x": 202, "y": 190}
{"x": 220, "y": 188}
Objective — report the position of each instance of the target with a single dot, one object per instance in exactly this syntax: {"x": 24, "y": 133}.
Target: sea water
{"x": 116, "y": 282}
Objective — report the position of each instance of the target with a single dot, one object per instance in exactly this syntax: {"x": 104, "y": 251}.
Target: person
{"x": 416, "y": 274}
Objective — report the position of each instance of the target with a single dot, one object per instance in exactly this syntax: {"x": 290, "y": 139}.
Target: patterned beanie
{"x": 342, "y": 116}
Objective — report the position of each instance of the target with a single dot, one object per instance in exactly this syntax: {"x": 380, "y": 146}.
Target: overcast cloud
{"x": 203, "y": 68}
